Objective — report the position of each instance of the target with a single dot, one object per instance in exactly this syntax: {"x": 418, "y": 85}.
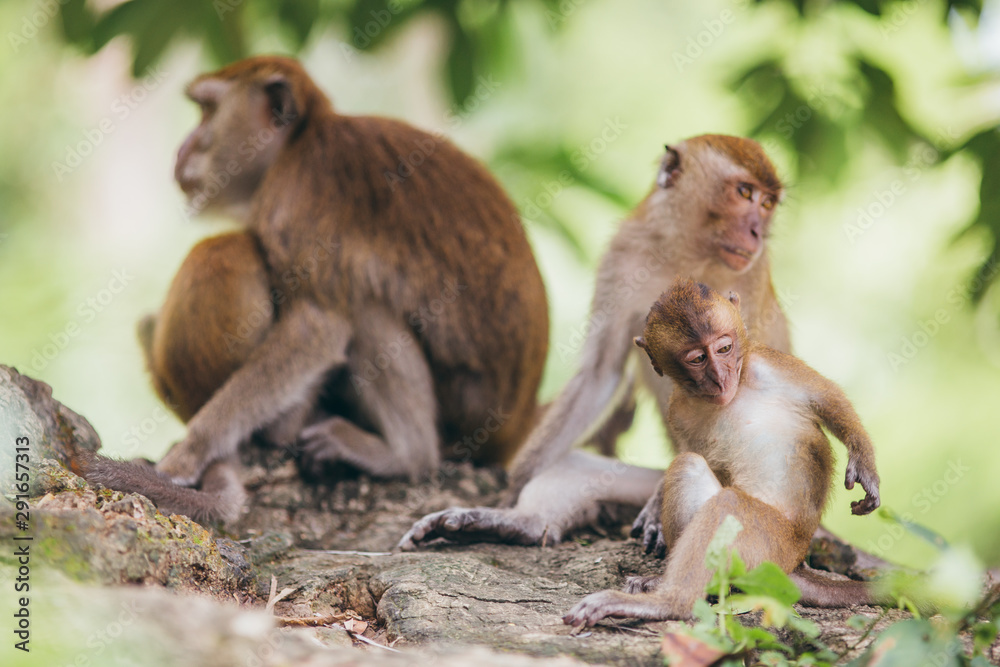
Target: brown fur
{"x": 382, "y": 245}
{"x": 775, "y": 417}
{"x": 679, "y": 228}
{"x": 748, "y": 154}
{"x": 712, "y": 195}
{"x": 217, "y": 310}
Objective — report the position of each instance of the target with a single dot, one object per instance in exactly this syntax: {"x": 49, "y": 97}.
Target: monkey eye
{"x": 699, "y": 359}
{"x": 744, "y": 190}
{"x": 207, "y": 106}
{"x": 768, "y": 202}
{"x": 725, "y": 348}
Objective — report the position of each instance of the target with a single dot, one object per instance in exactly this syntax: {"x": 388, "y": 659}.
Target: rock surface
{"x": 307, "y": 576}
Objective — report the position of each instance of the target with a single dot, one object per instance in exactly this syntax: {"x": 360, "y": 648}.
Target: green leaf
{"x": 77, "y": 21}
{"x": 790, "y": 117}
{"x": 371, "y": 22}
{"x": 703, "y": 612}
{"x": 881, "y": 112}
{"x": 718, "y": 547}
{"x": 804, "y": 626}
{"x": 768, "y": 579}
{"x": 986, "y": 147}
{"x": 870, "y": 6}
{"x": 300, "y": 16}
{"x": 225, "y": 37}
{"x": 461, "y": 65}
{"x": 983, "y": 634}
{"x": 914, "y": 528}
{"x": 909, "y": 643}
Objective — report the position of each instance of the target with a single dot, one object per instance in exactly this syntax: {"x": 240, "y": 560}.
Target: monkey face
{"x": 243, "y": 128}
{"x": 745, "y": 223}
{"x": 713, "y": 368}
{"x": 696, "y": 336}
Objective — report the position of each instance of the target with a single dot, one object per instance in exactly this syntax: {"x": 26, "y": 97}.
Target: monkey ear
{"x": 734, "y": 299}
{"x": 669, "y": 166}
{"x": 282, "y": 100}
{"x": 641, "y": 342}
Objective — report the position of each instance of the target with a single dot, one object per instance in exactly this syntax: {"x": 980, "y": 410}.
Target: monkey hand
{"x": 186, "y": 460}
{"x": 648, "y": 526}
{"x": 859, "y": 471}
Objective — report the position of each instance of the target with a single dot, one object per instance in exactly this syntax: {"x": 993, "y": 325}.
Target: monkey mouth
{"x": 736, "y": 258}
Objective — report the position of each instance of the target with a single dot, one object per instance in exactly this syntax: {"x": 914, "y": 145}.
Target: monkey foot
{"x": 183, "y": 463}
{"x": 641, "y": 584}
{"x": 321, "y": 449}
{"x": 649, "y": 528}
{"x": 481, "y": 524}
{"x": 596, "y": 607}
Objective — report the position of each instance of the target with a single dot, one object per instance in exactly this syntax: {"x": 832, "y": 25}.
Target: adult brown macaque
{"x": 708, "y": 217}
{"x": 748, "y": 421}
{"x": 398, "y": 271}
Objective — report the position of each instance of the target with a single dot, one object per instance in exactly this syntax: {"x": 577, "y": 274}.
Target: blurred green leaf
{"x": 300, "y": 16}
{"x": 881, "y": 112}
{"x": 768, "y": 579}
{"x": 792, "y": 118}
{"x": 77, "y": 22}
{"x": 913, "y": 527}
{"x": 461, "y": 63}
{"x": 985, "y": 146}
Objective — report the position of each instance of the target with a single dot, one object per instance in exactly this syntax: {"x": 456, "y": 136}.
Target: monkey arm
{"x": 835, "y": 412}
{"x": 298, "y": 351}
{"x": 580, "y": 409}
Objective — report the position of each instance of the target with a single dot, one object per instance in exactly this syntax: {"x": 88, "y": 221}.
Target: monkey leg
{"x": 559, "y": 499}
{"x": 399, "y": 401}
{"x": 695, "y": 504}
{"x": 281, "y": 373}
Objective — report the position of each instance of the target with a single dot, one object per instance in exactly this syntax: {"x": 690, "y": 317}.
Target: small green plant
{"x": 718, "y": 638}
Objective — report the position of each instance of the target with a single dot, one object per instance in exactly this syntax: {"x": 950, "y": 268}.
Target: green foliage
{"x": 765, "y": 588}
{"x": 479, "y": 32}
{"x": 820, "y": 125}
{"x": 769, "y": 590}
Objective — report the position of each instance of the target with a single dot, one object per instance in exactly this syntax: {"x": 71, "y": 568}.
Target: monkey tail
{"x": 220, "y": 498}
{"x": 823, "y": 589}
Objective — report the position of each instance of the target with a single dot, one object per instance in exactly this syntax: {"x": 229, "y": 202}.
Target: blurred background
{"x": 880, "y": 115}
